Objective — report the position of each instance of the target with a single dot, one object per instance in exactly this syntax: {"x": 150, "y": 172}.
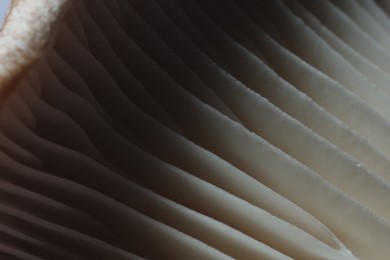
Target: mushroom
{"x": 188, "y": 129}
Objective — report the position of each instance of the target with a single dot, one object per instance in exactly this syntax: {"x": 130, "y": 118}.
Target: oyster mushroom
{"x": 190, "y": 129}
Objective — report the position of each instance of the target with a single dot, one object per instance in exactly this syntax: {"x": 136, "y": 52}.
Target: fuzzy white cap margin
{"x": 27, "y": 33}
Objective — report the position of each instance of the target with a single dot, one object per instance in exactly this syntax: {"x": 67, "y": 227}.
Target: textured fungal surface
{"x": 191, "y": 129}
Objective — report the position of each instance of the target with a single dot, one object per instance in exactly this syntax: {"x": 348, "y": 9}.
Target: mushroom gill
{"x": 190, "y": 129}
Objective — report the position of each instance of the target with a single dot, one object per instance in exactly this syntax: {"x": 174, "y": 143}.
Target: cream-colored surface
{"x": 190, "y": 129}
{"x": 28, "y": 30}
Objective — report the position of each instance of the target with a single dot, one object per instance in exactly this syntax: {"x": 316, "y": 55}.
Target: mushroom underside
{"x": 189, "y": 129}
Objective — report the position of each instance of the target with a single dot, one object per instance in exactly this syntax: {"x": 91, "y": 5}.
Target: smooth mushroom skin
{"x": 189, "y": 129}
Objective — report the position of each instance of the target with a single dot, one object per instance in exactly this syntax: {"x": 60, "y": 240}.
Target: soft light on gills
{"x": 193, "y": 129}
